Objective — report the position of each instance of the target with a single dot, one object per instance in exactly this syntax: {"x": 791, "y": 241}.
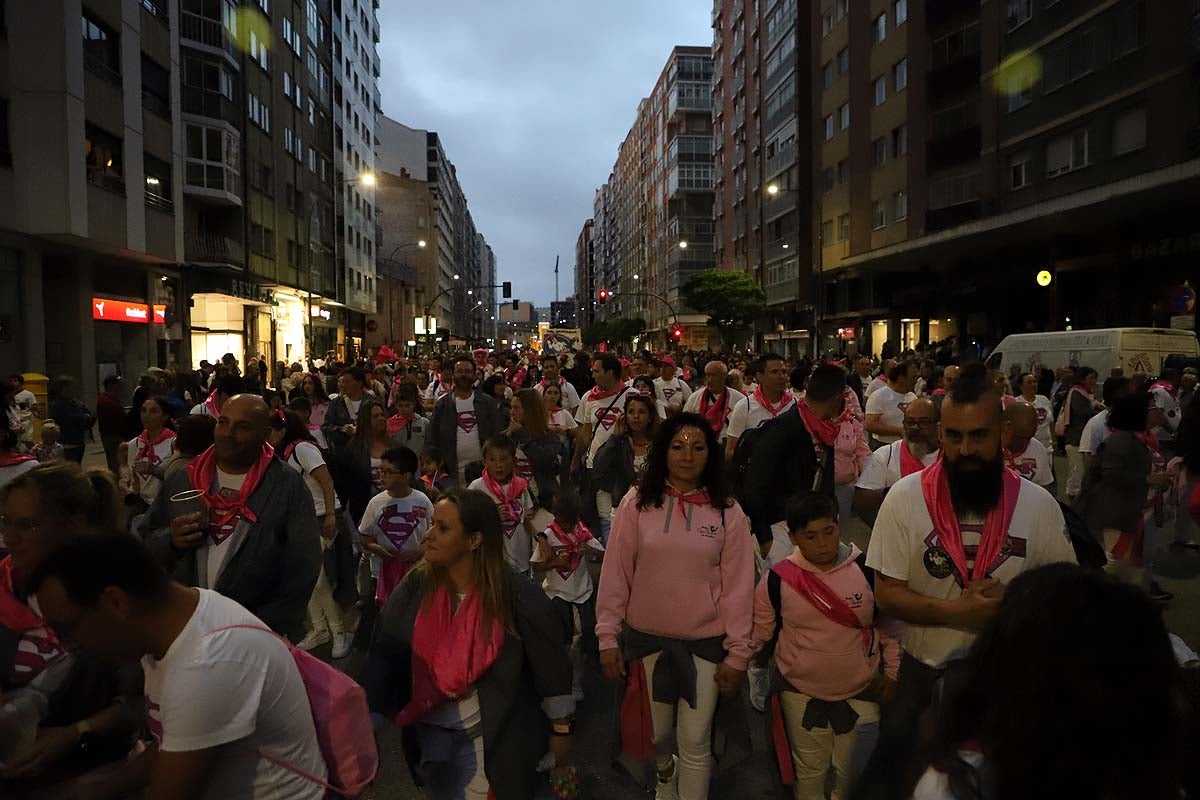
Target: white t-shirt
{"x": 518, "y": 547}
{"x": 590, "y": 412}
{"x": 883, "y": 468}
{"x": 890, "y": 406}
{"x": 570, "y": 397}
{"x": 935, "y": 785}
{"x": 1166, "y": 402}
{"x": 877, "y": 383}
{"x": 563, "y": 419}
{"x": 376, "y": 478}
{"x": 1034, "y": 464}
{"x": 149, "y": 484}
{"x": 1095, "y": 431}
{"x": 749, "y": 414}
{"x": 674, "y": 392}
{"x": 217, "y": 548}
{"x": 240, "y": 686}
{"x": 397, "y": 523}
{"x": 1045, "y": 416}
{"x": 574, "y": 586}
{"x": 200, "y": 409}
{"x": 732, "y": 396}
{"x": 436, "y": 390}
{"x": 458, "y": 714}
{"x": 9, "y": 474}
{"x": 904, "y": 546}
{"x": 318, "y": 434}
{"x": 467, "y": 443}
{"x": 305, "y": 458}
{"x": 23, "y": 403}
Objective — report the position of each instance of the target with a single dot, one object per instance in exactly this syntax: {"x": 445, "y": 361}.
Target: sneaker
{"x": 760, "y": 684}
{"x": 312, "y": 640}
{"x": 341, "y": 644}
{"x": 668, "y": 789}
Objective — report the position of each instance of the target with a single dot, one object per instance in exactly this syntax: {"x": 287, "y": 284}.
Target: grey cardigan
{"x": 275, "y": 561}
{"x": 442, "y": 432}
{"x": 1114, "y": 487}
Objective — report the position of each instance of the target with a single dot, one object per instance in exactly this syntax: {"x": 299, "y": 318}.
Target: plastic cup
{"x": 190, "y": 502}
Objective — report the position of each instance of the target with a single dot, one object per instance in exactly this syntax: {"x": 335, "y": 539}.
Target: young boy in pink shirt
{"x": 833, "y": 665}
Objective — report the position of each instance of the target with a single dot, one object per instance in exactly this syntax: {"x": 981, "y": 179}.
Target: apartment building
{"x": 586, "y": 272}
{"x": 487, "y": 292}
{"x": 406, "y": 263}
{"x": 91, "y": 189}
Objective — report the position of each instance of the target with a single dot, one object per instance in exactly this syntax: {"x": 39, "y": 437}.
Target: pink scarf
{"x": 766, "y": 404}
{"x": 936, "y": 489}
{"x": 823, "y": 430}
{"x": 146, "y": 447}
{"x": 696, "y": 497}
{"x": 397, "y": 423}
{"x": 202, "y": 470}
{"x": 908, "y": 462}
{"x": 510, "y": 499}
{"x": 822, "y": 598}
{"x": 573, "y": 543}
{"x": 210, "y": 404}
{"x": 12, "y": 459}
{"x": 714, "y": 412}
{"x": 599, "y": 394}
{"x": 451, "y": 652}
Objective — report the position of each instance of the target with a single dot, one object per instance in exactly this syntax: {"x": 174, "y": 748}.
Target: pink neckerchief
{"x": 510, "y": 498}
{"x": 936, "y": 489}
{"x": 573, "y": 542}
{"x": 146, "y": 447}
{"x": 12, "y": 459}
{"x": 210, "y": 403}
{"x": 908, "y": 462}
{"x": 774, "y": 411}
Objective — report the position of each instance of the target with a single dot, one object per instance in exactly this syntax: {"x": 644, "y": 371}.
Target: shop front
{"x": 325, "y": 332}
{"x": 228, "y": 315}
{"x": 125, "y": 333}
{"x": 291, "y": 331}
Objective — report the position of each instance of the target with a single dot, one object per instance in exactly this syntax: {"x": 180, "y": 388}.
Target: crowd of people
{"x": 482, "y": 528}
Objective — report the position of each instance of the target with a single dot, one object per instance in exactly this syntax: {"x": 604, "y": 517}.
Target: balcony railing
{"x": 160, "y": 203}
{"x": 207, "y": 248}
{"x": 690, "y": 97}
{"x": 158, "y": 9}
{"x": 153, "y": 102}
{"x": 784, "y": 157}
{"x": 214, "y": 105}
{"x": 95, "y": 65}
{"x": 106, "y": 180}
{"x": 205, "y": 31}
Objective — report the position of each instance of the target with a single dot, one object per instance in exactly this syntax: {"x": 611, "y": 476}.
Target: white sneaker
{"x": 668, "y": 789}
{"x": 760, "y": 684}
{"x": 313, "y": 640}
{"x": 341, "y": 644}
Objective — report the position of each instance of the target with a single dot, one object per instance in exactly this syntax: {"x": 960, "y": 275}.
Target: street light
{"x": 456, "y": 276}
{"x": 365, "y": 178}
{"x": 683, "y": 245}
{"x": 773, "y": 189}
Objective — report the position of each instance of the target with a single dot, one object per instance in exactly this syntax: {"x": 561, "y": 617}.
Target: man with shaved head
{"x": 916, "y": 450}
{"x": 1023, "y": 453}
{"x": 252, "y": 534}
{"x": 715, "y": 401}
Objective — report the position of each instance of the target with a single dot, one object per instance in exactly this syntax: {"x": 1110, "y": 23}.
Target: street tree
{"x": 731, "y": 299}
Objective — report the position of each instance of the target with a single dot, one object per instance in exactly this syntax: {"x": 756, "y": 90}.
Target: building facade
{"x": 586, "y": 270}
{"x": 562, "y": 314}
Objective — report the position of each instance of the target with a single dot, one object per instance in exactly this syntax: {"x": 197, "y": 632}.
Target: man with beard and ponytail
{"x": 258, "y": 541}
{"x": 917, "y": 450}
{"x": 945, "y": 543}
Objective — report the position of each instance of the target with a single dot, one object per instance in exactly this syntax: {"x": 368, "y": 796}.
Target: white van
{"x": 1133, "y": 350}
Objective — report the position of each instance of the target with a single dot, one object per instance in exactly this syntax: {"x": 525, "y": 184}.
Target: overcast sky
{"x": 531, "y": 99}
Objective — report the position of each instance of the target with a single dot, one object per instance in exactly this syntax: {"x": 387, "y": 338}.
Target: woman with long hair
{"x": 473, "y": 657}
{"x": 644, "y": 385}
{"x": 360, "y": 459}
{"x": 621, "y": 460}
{"x": 151, "y": 450}
{"x": 1028, "y": 384}
{"x": 312, "y": 388}
{"x": 538, "y": 458}
{"x": 677, "y": 587}
{"x": 1080, "y": 406}
{"x": 1073, "y": 665}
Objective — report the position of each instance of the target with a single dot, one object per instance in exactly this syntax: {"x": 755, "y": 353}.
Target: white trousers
{"x": 692, "y": 729}
{"x": 814, "y": 750}
{"x": 324, "y": 614}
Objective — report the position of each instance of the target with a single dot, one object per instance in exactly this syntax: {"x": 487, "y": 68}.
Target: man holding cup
{"x": 238, "y": 521}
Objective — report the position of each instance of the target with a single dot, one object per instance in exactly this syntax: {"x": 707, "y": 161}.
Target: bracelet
{"x": 565, "y": 784}
{"x": 563, "y": 728}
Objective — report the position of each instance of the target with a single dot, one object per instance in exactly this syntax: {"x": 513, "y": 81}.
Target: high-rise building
{"x": 91, "y": 190}
{"x": 406, "y": 265}
{"x": 585, "y": 271}
{"x": 562, "y": 314}
{"x": 486, "y": 296}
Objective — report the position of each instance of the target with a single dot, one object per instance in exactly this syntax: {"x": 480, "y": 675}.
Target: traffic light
{"x": 602, "y": 296}
{"x": 516, "y": 305}
{"x": 676, "y": 332}
{"x": 506, "y": 290}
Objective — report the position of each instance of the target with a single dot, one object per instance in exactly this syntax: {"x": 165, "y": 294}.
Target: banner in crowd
{"x": 562, "y": 340}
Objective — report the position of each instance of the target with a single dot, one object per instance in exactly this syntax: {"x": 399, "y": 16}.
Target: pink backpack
{"x": 341, "y": 719}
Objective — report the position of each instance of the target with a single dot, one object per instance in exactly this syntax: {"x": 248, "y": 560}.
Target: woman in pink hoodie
{"x": 833, "y": 665}
{"x": 677, "y": 586}
{"x": 850, "y": 453}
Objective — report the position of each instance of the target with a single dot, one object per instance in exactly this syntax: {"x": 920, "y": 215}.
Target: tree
{"x": 731, "y": 299}
{"x": 623, "y": 329}
{"x": 595, "y": 333}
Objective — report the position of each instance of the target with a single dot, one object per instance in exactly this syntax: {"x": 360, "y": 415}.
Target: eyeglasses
{"x": 22, "y": 527}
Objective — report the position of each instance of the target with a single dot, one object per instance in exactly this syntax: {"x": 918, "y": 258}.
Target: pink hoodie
{"x": 680, "y": 574}
{"x": 816, "y": 655}
{"x": 850, "y": 450}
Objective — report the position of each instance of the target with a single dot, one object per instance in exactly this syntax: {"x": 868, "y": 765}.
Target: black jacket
{"x": 545, "y": 456}
{"x": 336, "y": 416}
{"x": 612, "y": 471}
{"x": 529, "y": 683}
{"x": 783, "y": 462}
{"x": 443, "y": 430}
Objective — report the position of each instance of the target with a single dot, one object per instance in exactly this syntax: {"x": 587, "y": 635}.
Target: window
{"x": 1020, "y": 90}
{"x": 879, "y": 90}
{"x": 291, "y": 36}
{"x": 312, "y": 111}
{"x": 156, "y": 87}
{"x": 827, "y": 233}
{"x": 1019, "y": 12}
{"x": 899, "y": 206}
{"x": 158, "y": 183}
{"x": 827, "y": 74}
{"x": 260, "y": 112}
{"x": 102, "y": 155}
{"x": 843, "y": 59}
{"x": 101, "y": 49}
{"x": 879, "y": 151}
{"x": 843, "y": 171}
{"x": 829, "y": 127}
{"x": 879, "y": 29}
{"x": 1129, "y": 28}
{"x": 312, "y": 161}
{"x": 1129, "y": 131}
{"x": 258, "y": 50}
{"x": 826, "y": 23}
{"x": 953, "y": 190}
{"x": 843, "y": 227}
{"x": 839, "y": 10}
{"x": 311, "y": 61}
{"x": 1018, "y": 171}
{"x": 828, "y": 179}
{"x": 844, "y": 116}
{"x": 1070, "y": 61}
{"x": 900, "y": 75}
{"x": 1067, "y": 153}
{"x": 312, "y": 18}
{"x": 900, "y": 12}
{"x": 878, "y": 214}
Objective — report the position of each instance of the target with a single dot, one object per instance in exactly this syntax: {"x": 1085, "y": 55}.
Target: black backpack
{"x": 1088, "y": 550}
{"x": 743, "y": 451}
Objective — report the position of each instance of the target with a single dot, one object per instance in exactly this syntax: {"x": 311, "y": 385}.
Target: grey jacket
{"x": 443, "y": 433}
{"x": 274, "y": 562}
{"x": 1114, "y": 487}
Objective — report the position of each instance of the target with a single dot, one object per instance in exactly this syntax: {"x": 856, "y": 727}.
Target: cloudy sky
{"x": 531, "y": 99}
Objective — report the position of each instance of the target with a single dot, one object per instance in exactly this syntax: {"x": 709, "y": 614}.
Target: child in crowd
{"x": 562, "y": 553}
{"x": 303, "y": 407}
{"x": 434, "y": 478}
{"x": 817, "y": 610}
{"x": 512, "y": 497}
{"x": 405, "y": 426}
{"x": 49, "y": 449}
{"x": 560, "y": 418}
{"x": 395, "y": 521}
{"x": 126, "y": 481}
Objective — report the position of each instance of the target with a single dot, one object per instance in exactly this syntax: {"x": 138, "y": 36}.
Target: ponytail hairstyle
{"x": 72, "y": 497}
{"x": 293, "y": 427}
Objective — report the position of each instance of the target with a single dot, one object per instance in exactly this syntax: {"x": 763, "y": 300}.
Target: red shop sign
{"x": 120, "y": 311}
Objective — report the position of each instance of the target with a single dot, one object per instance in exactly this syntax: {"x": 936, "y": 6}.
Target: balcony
{"x": 207, "y": 34}
{"x": 784, "y": 246}
{"x": 786, "y": 291}
{"x": 783, "y": 203}
{"x": 954, "y": 78}
{"x": 955, "y": 147}
{"x": 937, "y": 219}
{"x": 690, "y": 178}
{"x": 213, "y": 105}
{"x": 212, "y": 182}
{"x": 690, "y": 96}
{"x": 213, "y": 250}
{"x": 784, "y": 157}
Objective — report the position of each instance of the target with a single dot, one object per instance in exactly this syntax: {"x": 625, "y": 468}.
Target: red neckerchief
{"x": 397, "y": 423}
{"x": 431, "y": 482}
{"x": 1170, "y": 387}
{"x": 510, "y": 500}
{"x": 451, "y": 652}
{"x": 15, "y": 615}
{"x": 203, "y": 473}
{"x": 1148, "y": 438}
{"x": 696, "y": 497}
{"x": 908, "y": 462}
{"x": 599, "y": 394}
{"x": 561, "y": 381}
{"x": 146, "y": 448}
{"x": 573, "y": 543}
{"x": 12, "y": 459}
{"x": 1010, "y": 458}
{"x": 772, "y": 410}
{"x": 822, "y": 597}
{"x": 285, "y": 455}
{"x": 210, "y": 403}
{"x": 823, "y": 430}
{"x": 714, "y": 412}
{"x": 936, "y": 489}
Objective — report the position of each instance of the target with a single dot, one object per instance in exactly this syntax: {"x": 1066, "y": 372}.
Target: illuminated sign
{"x": 317, "y": 311}
{"x": 110, "y": 310}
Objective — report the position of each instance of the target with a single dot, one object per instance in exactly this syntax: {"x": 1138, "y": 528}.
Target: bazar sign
{"x": 1166, "y": 246}
{"x": 120, "y": 311}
